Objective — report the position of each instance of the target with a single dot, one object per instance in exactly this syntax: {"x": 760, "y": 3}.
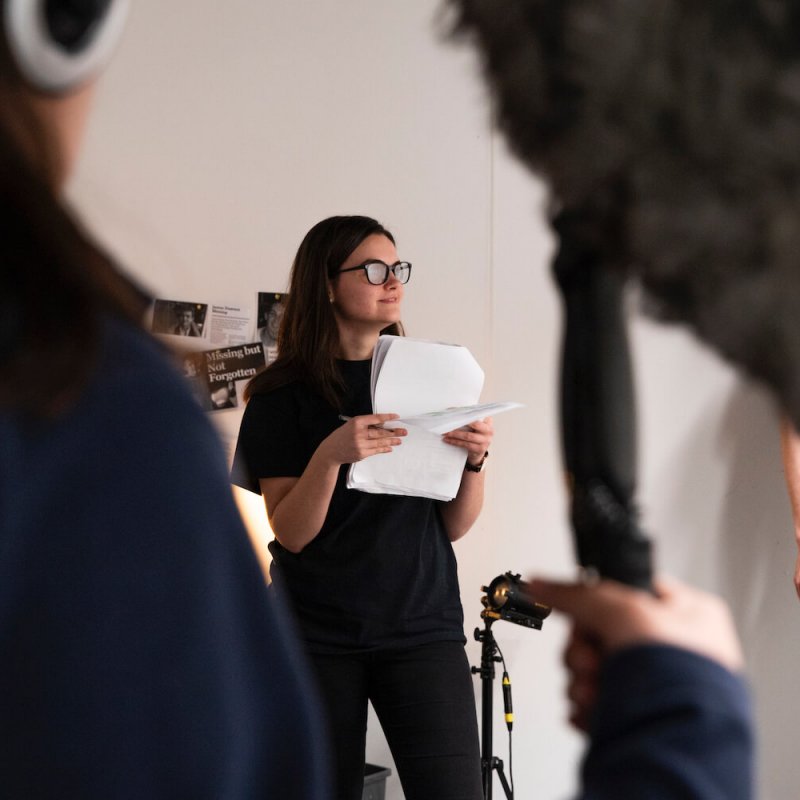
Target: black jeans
{"x": 423, "y": 697}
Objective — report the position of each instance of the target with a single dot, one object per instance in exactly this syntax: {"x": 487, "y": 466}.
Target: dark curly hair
{"x": 673, "y": 128}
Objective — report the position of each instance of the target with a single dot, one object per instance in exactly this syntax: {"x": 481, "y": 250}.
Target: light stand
{"x": 505, "y": 599}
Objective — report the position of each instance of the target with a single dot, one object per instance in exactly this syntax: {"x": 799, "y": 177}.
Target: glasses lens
{"x": 377, "y": 272}
{"x": 402, "y": 271}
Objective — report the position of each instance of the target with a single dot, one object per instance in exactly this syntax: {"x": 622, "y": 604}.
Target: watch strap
{"x": 476, "y": 467}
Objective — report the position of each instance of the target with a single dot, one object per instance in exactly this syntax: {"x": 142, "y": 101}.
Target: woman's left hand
{"x": 475, "y": 438}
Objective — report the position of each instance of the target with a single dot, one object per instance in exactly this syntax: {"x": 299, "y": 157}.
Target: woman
{"x": 142, "y": 655}
{"x": 371, "y": 578}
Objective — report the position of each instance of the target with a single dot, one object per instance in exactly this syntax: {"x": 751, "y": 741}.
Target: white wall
{"x": 225, "y": 130}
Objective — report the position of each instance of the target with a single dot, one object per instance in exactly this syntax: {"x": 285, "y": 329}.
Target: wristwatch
{"x": 477, "y": 467}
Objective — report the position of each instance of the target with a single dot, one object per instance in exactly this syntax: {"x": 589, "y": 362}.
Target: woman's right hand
{"x": 361, "y": 437}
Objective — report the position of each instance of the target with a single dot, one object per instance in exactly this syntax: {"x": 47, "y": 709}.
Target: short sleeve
{"x": 270, "y": 443}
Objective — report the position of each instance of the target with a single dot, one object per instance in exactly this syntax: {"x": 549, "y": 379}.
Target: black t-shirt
{"x": 381, "y": 572}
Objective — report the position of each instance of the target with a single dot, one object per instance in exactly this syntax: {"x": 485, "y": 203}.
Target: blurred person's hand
{"x": 609, "y": 616}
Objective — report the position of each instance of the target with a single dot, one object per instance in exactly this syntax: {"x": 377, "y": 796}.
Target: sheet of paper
{"x": 414, "y": 377}
{"x": 423, "y": 466}
{"x": 435, "y": 388}
{"x": 451, "y": 418}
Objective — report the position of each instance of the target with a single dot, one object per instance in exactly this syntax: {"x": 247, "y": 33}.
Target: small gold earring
{"x": 330, "y": 298}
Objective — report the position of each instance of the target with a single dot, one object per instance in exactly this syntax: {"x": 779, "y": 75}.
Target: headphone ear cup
{"x": 59, "y": 45}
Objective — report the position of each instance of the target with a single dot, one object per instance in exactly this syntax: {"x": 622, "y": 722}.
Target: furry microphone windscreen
{"x": 672, "y": 128}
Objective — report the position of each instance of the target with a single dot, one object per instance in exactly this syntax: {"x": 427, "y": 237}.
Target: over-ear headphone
{"x": 60, "y": 44}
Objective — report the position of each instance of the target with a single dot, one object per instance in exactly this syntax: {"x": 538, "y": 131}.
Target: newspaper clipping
{"x": 270, "y": 314}
{"x": 220, "y": 347}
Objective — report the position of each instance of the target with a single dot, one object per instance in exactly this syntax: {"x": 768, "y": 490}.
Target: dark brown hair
{"x": 55, "y": 283}
{"x": 308, "y": 339}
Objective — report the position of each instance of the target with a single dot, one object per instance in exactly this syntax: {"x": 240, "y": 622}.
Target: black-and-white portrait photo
{"x": 179, "y": 318}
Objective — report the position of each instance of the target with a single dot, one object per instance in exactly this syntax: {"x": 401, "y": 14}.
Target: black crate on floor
{"x": 375, "y": 782}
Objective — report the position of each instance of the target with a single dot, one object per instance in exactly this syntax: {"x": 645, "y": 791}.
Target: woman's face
{"x": 359, "y": 305}
{"x": 274, "y": 320}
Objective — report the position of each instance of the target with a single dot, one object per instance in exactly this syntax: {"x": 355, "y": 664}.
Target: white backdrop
{"x": 223, "y": 131}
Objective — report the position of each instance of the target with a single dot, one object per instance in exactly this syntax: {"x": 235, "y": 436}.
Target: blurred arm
{"x": 790, "y": 448}
{"x": 654, "y": 680}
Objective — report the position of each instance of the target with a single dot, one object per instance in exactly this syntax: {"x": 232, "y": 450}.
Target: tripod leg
{"x": 487, "y": 760}
{"x": 488, "y": 657}
{"x": 498, "y": 765}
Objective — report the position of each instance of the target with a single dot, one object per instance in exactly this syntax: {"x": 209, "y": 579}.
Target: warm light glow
{"x": 254, "y": 514}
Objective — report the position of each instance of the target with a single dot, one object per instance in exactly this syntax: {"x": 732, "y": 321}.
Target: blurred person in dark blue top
{"x": 143, "y": 656}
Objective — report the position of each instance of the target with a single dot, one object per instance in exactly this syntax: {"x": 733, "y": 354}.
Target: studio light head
{"x": 508, "y": 598}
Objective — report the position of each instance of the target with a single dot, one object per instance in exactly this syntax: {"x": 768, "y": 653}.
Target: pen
{"x": 343, "y": 418}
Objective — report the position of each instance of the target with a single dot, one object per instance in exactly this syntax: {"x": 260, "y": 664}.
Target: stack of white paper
{"x": 435, "y": 388}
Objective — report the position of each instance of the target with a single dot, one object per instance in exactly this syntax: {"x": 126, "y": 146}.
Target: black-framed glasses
{"x": 377, "y": 272}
